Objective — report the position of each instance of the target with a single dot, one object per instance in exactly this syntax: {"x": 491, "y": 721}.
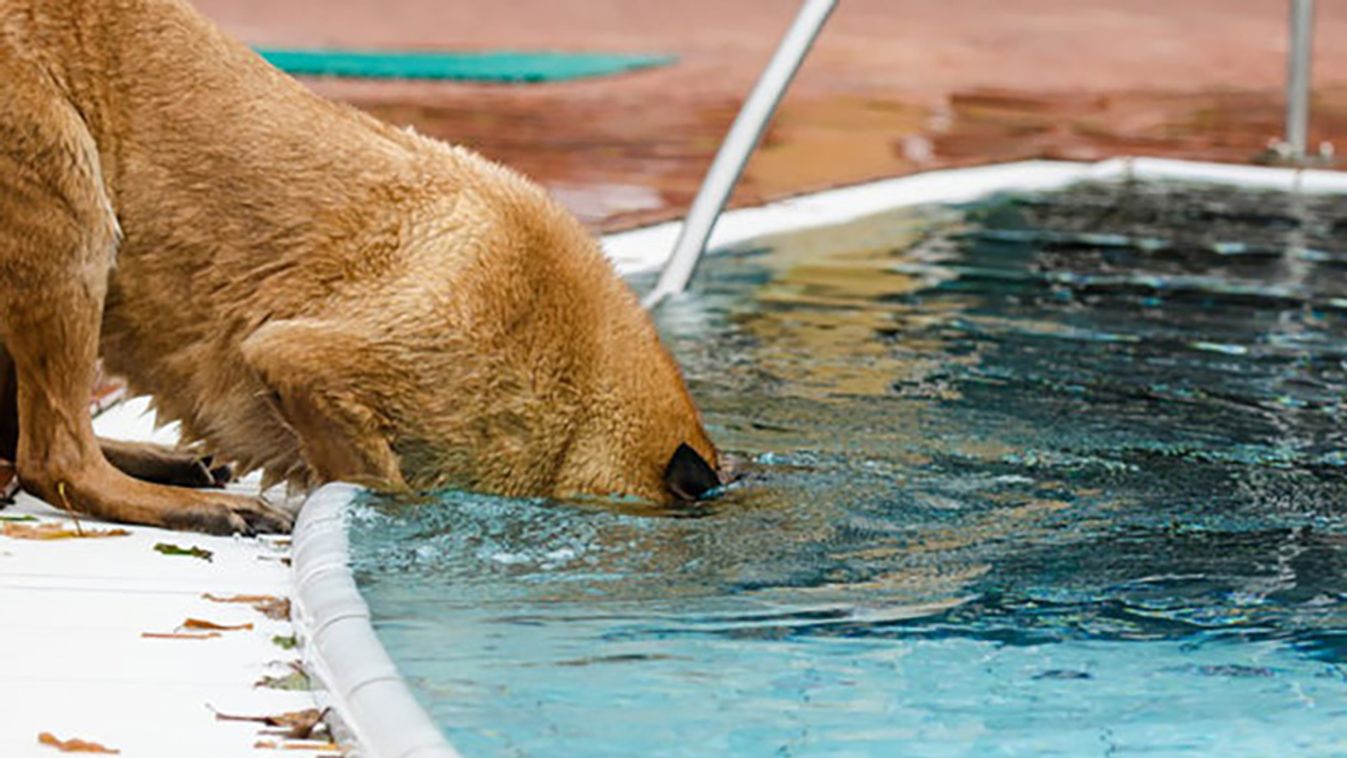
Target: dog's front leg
{"x": 151, "y": 463}
{"x": 52, "y": 336}
{"x": 57, "y": 240}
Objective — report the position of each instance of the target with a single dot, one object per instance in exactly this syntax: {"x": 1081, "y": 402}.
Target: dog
{"x": 309, "y": 291}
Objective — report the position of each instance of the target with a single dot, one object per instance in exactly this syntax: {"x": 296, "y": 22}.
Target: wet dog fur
{"x": 309, "y": 291}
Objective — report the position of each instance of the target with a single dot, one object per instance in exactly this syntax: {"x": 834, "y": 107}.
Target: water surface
{"x": 1053, "y": 474}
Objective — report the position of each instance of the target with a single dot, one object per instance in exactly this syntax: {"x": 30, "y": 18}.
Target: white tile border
{"x": 333, "y": 620}
{"x": 647, "y": 248}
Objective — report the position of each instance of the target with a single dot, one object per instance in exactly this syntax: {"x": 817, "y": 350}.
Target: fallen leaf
{"x": 180, "y": 635}
{"x": 298, "y": 724}
{"x": 74, "y": 745}
{"x": 239, "y": 598}
{"x": 193, "y": 551}
{"x": 279, "y": 610}
{"x": 270, "y": 745}
{"x": 24, "y": 517}
{"x": 295, "y": 680}
{"x": 268, "y": 605}
{"x": 203, "y": 624}
{"x": 54, "y": 530}
{"x": 284, "y": 642}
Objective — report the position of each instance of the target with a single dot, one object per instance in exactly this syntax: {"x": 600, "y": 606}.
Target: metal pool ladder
{"x": 738, "y": 145}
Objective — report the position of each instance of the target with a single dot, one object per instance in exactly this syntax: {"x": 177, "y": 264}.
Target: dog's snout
{"x": 688, "y": 476}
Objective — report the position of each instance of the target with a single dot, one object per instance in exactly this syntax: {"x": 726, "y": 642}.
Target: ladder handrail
{"x": 1298, "y": 58}
{"x": 738, "y": 146}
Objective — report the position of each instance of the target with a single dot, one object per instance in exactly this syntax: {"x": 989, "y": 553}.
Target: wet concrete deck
{"x": 894, "y": 86}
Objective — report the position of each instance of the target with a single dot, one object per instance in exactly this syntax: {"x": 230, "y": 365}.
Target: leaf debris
{"x": 299, "y": 725}
{"x": 285, "y": 642}
{"x": 192, "y": 552}
{"x": 272, "y": 607}
{"x": 295, "y": 680}
{"x": 74, "y": 745}
{"x": 271, "y": 745}
{"x": 53, "y": 530}
{"x": 204, "y": 624}
{"x": 180, "y": 635}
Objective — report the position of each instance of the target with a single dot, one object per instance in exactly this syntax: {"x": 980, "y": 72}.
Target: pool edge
{"x": 647, "y": 248}
{"x": 359, "y": 682}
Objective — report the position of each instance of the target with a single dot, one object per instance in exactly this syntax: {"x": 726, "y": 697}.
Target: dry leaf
{"x": 203, "y": 624}
{"x": 192, "y": 552}
{"x": 268, "y": 605}
{"x": 297, "y": 679}
{"x": 54, "y": 530}
{"x": 180, "y": 635}
{"x": 239, "y": 598}
{"x": 74, "y": 745}
{"x": 270, "y": 745}
{"x": 298, "y": 724}
{"x": 277, "y": 609}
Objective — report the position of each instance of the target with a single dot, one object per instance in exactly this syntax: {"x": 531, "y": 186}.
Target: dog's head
{"x": 496, "y": 350}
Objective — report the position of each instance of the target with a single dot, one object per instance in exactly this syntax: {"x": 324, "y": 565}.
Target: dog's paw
{"x": 237, "y": 515}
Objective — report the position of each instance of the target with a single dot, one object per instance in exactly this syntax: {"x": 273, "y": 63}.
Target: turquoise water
{"x": 1055, "y": 474}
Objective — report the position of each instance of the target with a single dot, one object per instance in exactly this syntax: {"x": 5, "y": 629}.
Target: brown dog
{"x": 308, "y": 290}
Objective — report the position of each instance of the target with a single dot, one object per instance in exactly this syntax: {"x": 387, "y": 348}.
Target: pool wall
{"x": 355, "y": 675}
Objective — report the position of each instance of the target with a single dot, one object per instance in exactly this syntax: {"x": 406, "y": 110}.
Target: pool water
{"x": 1047, "y": 474}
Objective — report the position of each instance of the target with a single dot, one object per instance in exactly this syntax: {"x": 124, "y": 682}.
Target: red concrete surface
{"x": 892, "y": 87}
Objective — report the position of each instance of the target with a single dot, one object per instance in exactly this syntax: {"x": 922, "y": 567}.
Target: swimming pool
{"x": 1048, "y": 473}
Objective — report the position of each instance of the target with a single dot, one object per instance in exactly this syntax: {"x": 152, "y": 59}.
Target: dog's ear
{"x": 688, "y": 476}
{"x": 319, "y": 374}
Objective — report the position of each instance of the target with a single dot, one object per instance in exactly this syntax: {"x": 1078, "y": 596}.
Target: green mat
{"x": 500, "y": 66}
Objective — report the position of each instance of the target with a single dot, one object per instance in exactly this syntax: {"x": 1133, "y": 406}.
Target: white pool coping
{"x": 361, "y": 682}
{"x": 647, "y": 248}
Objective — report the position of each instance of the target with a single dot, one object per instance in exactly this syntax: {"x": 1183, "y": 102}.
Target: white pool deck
{"x": 72, "y": 612}
{"x": 73, "y": 661}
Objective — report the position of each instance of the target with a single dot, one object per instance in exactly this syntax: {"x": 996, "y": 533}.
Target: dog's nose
{"x": 688, "y": 476}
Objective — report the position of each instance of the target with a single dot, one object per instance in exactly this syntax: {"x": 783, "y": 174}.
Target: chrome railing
{"x": 738, "y": 146}
{"x": 1298, "y": 77}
